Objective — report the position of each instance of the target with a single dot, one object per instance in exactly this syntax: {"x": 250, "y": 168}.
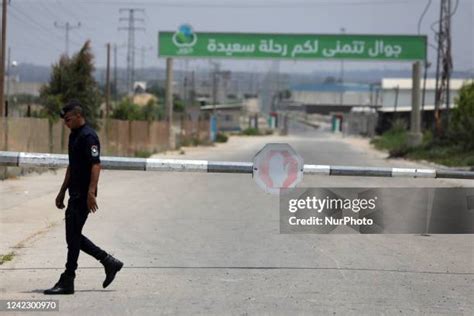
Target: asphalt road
{"x": 210, "y": 244}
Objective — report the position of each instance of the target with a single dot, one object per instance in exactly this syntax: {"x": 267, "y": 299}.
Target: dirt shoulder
{"x": 363, "y": 144}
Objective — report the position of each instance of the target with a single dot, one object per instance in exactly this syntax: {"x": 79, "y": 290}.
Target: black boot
{"x": 65, "y": 285}
{"x": 111, "y": 266}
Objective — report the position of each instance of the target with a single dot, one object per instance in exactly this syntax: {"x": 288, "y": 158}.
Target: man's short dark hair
{"x": 72, "y": 106}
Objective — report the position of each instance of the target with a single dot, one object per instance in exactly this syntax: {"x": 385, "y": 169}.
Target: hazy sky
{"x": 33, "y": 38}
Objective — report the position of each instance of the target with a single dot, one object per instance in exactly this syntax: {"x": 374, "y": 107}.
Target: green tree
{"x": 149, "y": 111}
{"x": 153, "y": 111}
{"x": 127, "y": 110}
{"x": 72, "y": 78}
{"x": 178, "y": 104}
{"x": 462, "y": 118}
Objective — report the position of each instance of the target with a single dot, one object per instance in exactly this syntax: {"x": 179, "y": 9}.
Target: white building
{"x": 403, "y": 86}
{"x": 326, "y": 94}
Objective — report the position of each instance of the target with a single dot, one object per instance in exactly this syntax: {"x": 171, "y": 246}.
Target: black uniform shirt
{"x": 84, "y": 151}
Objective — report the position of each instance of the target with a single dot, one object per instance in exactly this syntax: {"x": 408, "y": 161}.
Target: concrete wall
{"x": 228, "y": 120}
{"x": 118, "y": 138}
{"x": 31, "y": 88}
{"x": 360, "y": 123}
{"x": 197, "y": 130}
{"x": 404, "y": 97}
{"x": 319, "y": 97}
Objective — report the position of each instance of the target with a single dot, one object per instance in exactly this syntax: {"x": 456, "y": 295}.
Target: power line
{"x": 67, "y": 27}
{"x": 423, "y": 15}
{"x": 131, "y": 28}
{"x": 143, "y": 51}
{"x": 40, "y": 36}
{"x": 444, "y": 66}
{"x": 435, "y": 23}
{"x": 30, "y": 20}
{"x": 428, "y": 4}
{"x": 21, "y": 15}
{"x": 70, "y": 12}
{"x": 66, "y": 9}
{"x": 455, "y": 8}
{"x": 46, "y": 9}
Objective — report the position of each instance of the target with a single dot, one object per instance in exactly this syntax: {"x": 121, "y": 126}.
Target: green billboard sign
{"x": 186, "y": 43}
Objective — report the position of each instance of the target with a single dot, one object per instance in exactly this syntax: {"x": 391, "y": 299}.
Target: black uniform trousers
{"x": 76, "y": 216}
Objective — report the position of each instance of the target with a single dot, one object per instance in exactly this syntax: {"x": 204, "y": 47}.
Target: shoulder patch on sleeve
{"x": 95, "y": 151}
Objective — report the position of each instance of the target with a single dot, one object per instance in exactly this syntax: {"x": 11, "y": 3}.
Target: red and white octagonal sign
{"x": 277, "y": 166}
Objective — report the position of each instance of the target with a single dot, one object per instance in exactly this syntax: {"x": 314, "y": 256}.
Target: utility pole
{"x": 444, "y": 65}
{"x": 415, "y": 128}
{"x": 275, "y": 85}
{"x": 3, "y": 170}
{"x": 131, "y": 28}
{"x": 115, "y": 80}
{"x": 142, "y": 57}
{"x": 7, "y": 98}
{"x": 186, "y": 83}
{"x": 193, "y": 88}
{"x": 169, "y": 99}
{"x": 215, "y": 84}
{"x": 143, "y": 62}
{"x": 427, "y": 65}
{"x": 107, "y": 84}
{"x": 185, "y": 90}
{"x": 2, "y": 63}
{"x": 115, "y": 73}
{"x": 67, "y": 27}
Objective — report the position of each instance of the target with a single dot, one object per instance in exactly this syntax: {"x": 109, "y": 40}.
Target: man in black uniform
{"x": 81, "y": 180}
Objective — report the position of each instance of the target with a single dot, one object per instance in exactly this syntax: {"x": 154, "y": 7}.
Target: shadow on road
{"x": 40, "y": 291}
